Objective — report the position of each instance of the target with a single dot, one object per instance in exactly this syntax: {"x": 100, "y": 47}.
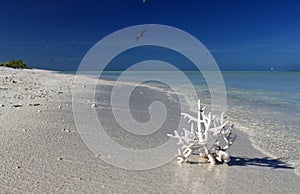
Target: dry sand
{"x": 41, "y": 151}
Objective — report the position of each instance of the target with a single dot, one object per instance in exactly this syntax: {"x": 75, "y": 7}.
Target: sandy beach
{"x": 41, "y": 150}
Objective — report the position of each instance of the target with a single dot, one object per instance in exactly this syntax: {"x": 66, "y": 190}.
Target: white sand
{"x": 40, "y": 151}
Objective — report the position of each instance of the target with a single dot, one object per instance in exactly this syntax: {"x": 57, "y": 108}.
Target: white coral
{"x": 195, "y": 141}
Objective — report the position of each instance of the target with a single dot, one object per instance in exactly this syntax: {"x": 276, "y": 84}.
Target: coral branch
{"x": 195, "y": 140}
{"x": 191, "y": 118}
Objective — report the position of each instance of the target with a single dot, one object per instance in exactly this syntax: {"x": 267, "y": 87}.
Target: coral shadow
{"x": 260, "y": 162}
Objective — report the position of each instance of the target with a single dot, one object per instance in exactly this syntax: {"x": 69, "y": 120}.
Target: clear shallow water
{"x": 266, "y": 105}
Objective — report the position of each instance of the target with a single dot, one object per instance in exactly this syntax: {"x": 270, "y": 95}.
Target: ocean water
{"x": 265, "y": 105}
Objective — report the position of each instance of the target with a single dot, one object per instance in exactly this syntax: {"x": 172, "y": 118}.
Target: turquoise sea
{"x": 266, "y": 105}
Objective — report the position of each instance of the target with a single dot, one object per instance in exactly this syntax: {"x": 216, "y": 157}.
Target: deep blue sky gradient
{"x": 241, "y": 34}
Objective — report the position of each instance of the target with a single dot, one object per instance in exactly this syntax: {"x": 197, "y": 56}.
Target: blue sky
{"x": 241, "y": 34}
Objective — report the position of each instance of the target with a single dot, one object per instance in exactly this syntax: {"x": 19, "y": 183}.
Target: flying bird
{"x": 141, "y": 35}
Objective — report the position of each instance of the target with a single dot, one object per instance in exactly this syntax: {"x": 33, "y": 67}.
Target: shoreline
{"x": 190, "y": 103}
{"x": 41, "y": 150}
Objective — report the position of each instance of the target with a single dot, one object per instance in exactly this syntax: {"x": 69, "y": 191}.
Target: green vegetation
{"x": 16, "y": 64}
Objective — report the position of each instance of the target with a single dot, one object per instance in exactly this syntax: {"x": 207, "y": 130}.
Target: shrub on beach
{"x": 16, "y": 64}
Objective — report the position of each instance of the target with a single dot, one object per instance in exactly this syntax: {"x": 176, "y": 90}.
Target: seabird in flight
{"x": 141, "y": 35}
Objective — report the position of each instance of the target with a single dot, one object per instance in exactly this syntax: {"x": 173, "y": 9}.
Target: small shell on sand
{"x": 66, "y": 130}
{"x": 24, "y": 130}
{"x": 39, "y": 111}
{"x": 94, "y": 105}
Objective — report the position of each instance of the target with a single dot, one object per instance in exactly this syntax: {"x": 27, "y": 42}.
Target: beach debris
{"x": 66, "y": 130}
{"x": 59, "y": 107}
{"x": 141, "y": 35}
{"x": 24, "y": 130}
{"x": 18, "y": 167}
{"x": 34, "y": 104}
{"x": 17, "y": 105}
{"x": 94, "y": 105}
{"x": 60, "y": 158}
{"x": 1, "y": 105}
{"x": 195, "y": 140}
